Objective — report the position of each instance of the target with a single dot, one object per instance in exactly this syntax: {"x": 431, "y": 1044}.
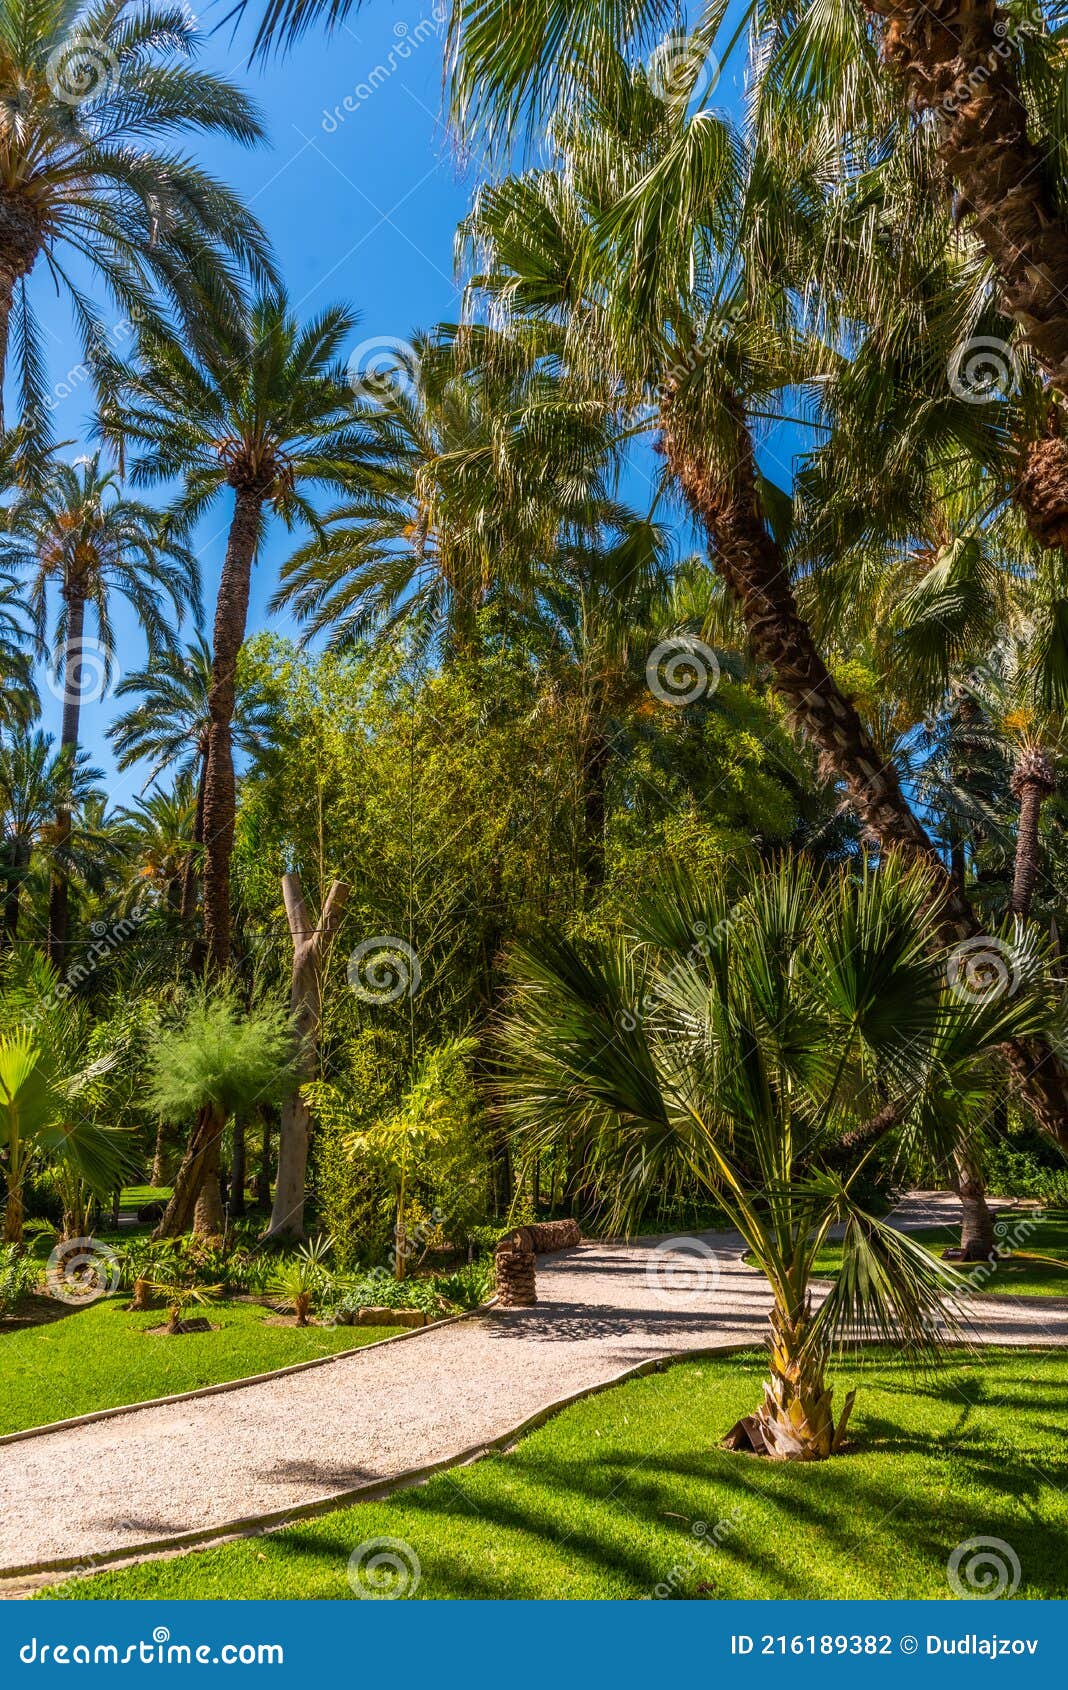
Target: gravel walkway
{"x": 156, "y": 1474}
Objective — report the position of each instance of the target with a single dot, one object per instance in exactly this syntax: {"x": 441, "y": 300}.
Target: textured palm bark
{"x": 305, "y": 1001}
{"x": 20, "y": 243}
{"x": 188, "y": 908}
{"x": 231, "y": 618}
{"x": 748, "y": 559}
{"x": 197, "y": 1177}
{"x": 1025, "y": 868}
{"x": 59, "y": 888}
{"x": 977, "y": 1240}
{"x": 795, "y": 1420}
{"x": 956, "y": 58}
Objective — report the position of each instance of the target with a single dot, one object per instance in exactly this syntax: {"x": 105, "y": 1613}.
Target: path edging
{"x": 234, "y": 1384}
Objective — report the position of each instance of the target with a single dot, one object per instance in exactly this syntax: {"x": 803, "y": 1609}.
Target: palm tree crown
{"x": 90, "y": 97}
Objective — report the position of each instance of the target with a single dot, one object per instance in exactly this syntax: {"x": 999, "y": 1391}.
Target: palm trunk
{"x": 977, "y": 1241}
{"x": 13, "y": 1213}
{"x": 231, "y": 616}
{"x": 795, "y": 1421}
{"x": 1025, "y": 871}
{"x": 20, "y": 862}
{"x": 594, "y": 762}
{"x": 73, "y": 680}
{"x": 956, "y": 58}
{"x": 748, "y": 559}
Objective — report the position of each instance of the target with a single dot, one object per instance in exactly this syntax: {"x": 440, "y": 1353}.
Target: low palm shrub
{"x": 19, "y": 1274}
{"x": 303, "y": 1279}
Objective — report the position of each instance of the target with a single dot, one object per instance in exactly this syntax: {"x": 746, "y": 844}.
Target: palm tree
{"x": 477, "y": 466}
{"x": 34, "y": 783}
{"x": 79, "y": 533}
{"x": 160, "y": 844}
{"x": 265, "y": 412}
{"x": 808, "y": 1024}
{"x": 19, "y": 703}
{"x": 91, "y": 96}
{"x": 169, "y": 728}
{"x": 650, "y": 245}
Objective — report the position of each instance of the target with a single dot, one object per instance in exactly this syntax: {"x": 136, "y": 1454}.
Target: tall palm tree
{"x": 79, "y": 534}
{"x": 810, "y": 1024}
{"x": 265, "y": 411}
{"x": 650, "y": 244}
{"x": 169, "y": 728}
{"x": 91, "y": 97}
{"x": 34, "y": 782}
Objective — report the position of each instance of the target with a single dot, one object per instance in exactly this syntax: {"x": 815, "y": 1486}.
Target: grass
{"x": 627, "y": 1495}
{"x": 100, "y": 1356}
{"x": 1037, "y": 1267}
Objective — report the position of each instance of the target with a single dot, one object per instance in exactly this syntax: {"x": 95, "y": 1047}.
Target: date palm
{"x": 264, "y": 414}
{"x": 77, "y": 534}
{"x": 478, "y": 465}
{"x": 92, "y": 99}
{"x": 808, "y": 1023}
{"x": 34, "y": 781}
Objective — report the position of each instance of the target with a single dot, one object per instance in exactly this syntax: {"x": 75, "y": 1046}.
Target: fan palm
{"x": 767, "y": 1044}
{"x": 91, "y": 96}
{"x": 265, "y": 411}
{"x": 78, "y": 533}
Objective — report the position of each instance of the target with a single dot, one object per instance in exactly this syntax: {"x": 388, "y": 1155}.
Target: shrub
{"x": 1013, "y": 1171}
{"x": 468, "y": 1286}
{"x": 18, "y": 1278}
{"x": 303, "y": 1279}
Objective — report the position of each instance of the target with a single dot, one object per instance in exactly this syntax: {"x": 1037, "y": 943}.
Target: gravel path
{"x": 156, "y": 1474}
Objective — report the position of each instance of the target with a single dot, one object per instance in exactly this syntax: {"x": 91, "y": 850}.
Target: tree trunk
{"x": 238, "y": 1169}
{"x": 196, "y": 1201}
{"x": 73, "y": 681}
{"x": 20, "y": 862}
{"x": 13, "y": 1214}
{"x": 231, "y": 617}
{"x": 595, "y": 759}
{"x": 956, "y": 59}
{"x": 977, "y": 1239}
{"x": 1025, "y": 871}
{"x": 305, "y": 1001}
{"x": 748, "y": 559}
{"x": 263, "y": 1172}
{"x": 158, "y": 1175}
{"x": 795, "y": 1421}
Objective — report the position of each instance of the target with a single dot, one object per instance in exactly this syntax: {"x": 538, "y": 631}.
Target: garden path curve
{"x": 155, "y": 1476}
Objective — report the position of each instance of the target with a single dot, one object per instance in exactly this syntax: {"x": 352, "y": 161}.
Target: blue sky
{"x": 360, "y": 189}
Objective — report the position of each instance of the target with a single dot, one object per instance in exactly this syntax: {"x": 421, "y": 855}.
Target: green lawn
{"x": 1021, "y": 1274}
{"x": 626, "y": 1495}
{"x": 100, "y": 1356}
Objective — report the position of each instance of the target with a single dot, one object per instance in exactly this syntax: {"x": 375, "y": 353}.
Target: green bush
{"x": 18, "y": 1278}
{"x": 1023, "y": 1171}
{"x": 467, "y": 1287}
